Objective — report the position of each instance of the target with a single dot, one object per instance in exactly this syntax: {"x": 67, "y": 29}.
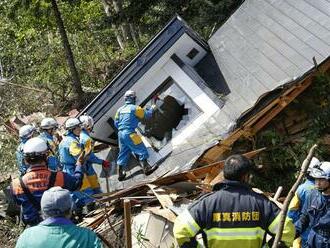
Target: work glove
{"x": 106, "y": 164}
{"x": 153, "y": 107}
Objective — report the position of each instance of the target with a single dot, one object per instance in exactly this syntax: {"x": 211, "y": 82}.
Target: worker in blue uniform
{"x": 25, "y": 133}
{"x": 70, "y": 148}
{"x": 126, "y": 121}
{"x": 87, "y": 123}
{"x": 28, "y": 189}
{"x": 299, "y": 199}
{"x": 316, "y": 210}
{"x": 48, "y": 128}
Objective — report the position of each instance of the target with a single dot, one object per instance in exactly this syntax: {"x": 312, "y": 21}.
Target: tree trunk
{"x": 133, "y": 34}
{"x": 76, "y": 84}
{"x": 107, "y": 7}
{"x": 118, "y": 7}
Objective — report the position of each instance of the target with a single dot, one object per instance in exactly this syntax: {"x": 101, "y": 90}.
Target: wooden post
{"x": 288, "y": 199}
{"x": 278, "y": 193}
{"x": 127, "y": 221}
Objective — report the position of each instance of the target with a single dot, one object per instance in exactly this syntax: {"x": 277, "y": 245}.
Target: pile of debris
{"x": 151, "y": 207}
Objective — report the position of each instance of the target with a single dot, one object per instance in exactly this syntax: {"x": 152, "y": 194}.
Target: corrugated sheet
{"x": 267, "y": 43}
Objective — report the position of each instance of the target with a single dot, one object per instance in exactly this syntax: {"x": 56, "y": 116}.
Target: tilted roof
{"x": 265, "y": 44}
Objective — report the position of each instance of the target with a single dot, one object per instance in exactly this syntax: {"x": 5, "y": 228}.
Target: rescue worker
{"x": 49, "y": 127}
{"x": 70, "y": 149}
{"x": 28, "y": 189}
{"x": 25, "y": 133}
{"x": 233, "y": 215}
{"x": 85, "y": 139}
{"x": 299, "y": 198}
{"x": 127, "y": 119}
{"x": 316, "y": 210}
{"x": 57, "y": 231}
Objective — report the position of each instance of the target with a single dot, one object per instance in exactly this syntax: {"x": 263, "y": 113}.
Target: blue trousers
{"x": 130, "y": 143}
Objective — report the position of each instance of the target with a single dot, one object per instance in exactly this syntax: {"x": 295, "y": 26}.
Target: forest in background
{"x": 58, "y": 54}
{"x": 103, "y": 35}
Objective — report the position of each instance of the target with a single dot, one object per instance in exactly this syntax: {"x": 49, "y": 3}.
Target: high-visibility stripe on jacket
{"x": 91, "y": 178}
{"x": 232, "y": 216}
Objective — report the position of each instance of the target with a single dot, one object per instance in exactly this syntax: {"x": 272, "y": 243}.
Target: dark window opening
{"x": 166, "y": 118}
{"x": 192, "y": 54}
{"x": 174, "y": 110}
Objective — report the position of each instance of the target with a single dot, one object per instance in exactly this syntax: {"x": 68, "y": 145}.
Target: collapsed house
{"x": 211, "y": 93}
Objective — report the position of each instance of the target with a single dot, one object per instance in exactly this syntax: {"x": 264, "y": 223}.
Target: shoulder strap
{"x": 30, "y": 197}
{"x": 52, "y": 179}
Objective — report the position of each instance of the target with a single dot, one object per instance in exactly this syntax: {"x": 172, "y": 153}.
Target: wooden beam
{"x": 127, "y": 222}
{"x": 278, "y": 108}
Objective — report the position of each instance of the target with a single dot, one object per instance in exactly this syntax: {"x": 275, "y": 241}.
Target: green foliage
{"x": 8, "y": 145}
{"x": 284, "y": 158}
{"x": 31, "y": 49}
{"x": 141, "y": 238}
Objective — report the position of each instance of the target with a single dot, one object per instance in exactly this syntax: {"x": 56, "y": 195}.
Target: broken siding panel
{"x": 235, "y": 106}
{"x": 214, "y": 126}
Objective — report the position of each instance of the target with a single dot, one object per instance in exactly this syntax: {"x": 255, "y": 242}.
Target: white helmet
{"x": 130, "y": 96}
{"x": 314, "y": 163}
{"x": 322, "y": 171}
{"x": 26, "y": 131}
{"x": 35, "y": 147}
{"x": 48, "y": 123}
{"x": 87, "y": 121}
{"x": 72, "y": 123}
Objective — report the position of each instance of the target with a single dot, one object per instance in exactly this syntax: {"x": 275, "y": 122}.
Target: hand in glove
{"x": 106, "y": 164}
{"x": 154, "y": 107}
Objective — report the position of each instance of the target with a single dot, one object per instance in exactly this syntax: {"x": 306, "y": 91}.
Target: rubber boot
{"x": 121, "y": 173}
{"x": 147, "y": 169}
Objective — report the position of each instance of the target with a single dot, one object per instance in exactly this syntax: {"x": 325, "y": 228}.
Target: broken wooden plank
{"x": 162, "y": 196}
{"x": 182, "y": 176}
{"x": 165, "y": 213}
{"x": 211, "y": 175}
